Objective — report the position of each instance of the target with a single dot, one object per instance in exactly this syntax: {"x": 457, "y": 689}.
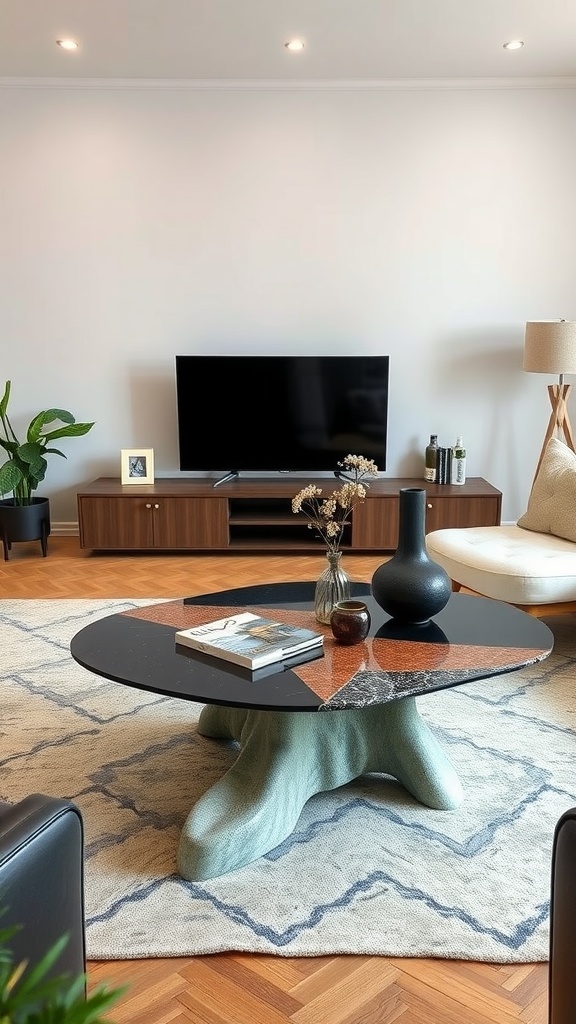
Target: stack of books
{"x": 251, "y": 640}
{"x": 444, "y": 466}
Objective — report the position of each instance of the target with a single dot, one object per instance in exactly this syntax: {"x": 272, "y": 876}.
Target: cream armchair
{"x": 531, "y": 564}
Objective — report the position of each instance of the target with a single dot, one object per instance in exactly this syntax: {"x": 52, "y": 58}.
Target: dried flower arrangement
{"x": 328, "y": 516}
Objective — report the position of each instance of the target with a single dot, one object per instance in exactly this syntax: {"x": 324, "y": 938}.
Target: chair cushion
{"x": 508, "y": 563}
{"x": 552, "y": 503}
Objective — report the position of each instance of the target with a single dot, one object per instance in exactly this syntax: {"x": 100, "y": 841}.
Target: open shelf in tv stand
{"x": 250, "y": 514}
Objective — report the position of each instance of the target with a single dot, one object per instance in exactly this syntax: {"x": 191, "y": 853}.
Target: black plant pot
{"x": 410, "y": 586}
{"x": 24, "y": 522}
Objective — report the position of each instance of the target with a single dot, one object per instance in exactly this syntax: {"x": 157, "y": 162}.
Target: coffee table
{"x": 315, "y": 726}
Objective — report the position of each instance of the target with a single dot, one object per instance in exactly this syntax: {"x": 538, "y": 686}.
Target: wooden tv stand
{"x": 183, "y": 514}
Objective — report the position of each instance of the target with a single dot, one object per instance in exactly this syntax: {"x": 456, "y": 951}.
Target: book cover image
{"x": 250, "y": 640}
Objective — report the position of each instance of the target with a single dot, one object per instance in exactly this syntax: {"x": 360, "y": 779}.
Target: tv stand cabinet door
{"x": 375, "y": 524}
{"x": 186, "y": 522}
{"x": 108, "y": 523}
{"x": 461, "y": 512}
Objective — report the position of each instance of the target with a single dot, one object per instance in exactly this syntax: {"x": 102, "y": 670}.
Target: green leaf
{"x": 5, "y": 399}
{"x": 30, "y": 452}
{"x": 10, "y": 477}
{"x": 48, "y": 416}
{"x": 33, "y": 999}
{"x": 33, "y": 976}
{"x": 34, "y": 464}
{"x": 73, "y": 430}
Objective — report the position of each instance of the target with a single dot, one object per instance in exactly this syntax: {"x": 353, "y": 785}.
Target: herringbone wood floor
{"x": 239, "y": 988}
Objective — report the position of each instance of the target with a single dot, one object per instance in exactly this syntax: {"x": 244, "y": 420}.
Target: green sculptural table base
{"x": 286, "y": 757}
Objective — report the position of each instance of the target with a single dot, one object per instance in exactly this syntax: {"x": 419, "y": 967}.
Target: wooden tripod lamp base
{"x": 550, "y": 347}
{"x": 559, "y": 422}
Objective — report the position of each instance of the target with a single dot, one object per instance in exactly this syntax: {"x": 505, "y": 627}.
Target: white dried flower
{"x": 309, "y": 493}
{"x": 330, "y": 516}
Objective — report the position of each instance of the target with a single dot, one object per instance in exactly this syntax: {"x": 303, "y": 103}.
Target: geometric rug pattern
{"x": 368, "y": 870}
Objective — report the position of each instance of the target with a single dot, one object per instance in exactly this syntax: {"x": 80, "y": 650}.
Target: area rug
{"x": 368, "y": 870}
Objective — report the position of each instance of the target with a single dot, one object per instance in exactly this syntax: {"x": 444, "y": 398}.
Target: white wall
{"x": 141, "y": 222}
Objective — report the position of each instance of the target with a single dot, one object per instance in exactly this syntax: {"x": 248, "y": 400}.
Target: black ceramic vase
{"x": 410, "y": 586}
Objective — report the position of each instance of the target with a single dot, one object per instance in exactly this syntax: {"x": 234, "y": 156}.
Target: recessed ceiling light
{"x": 67, "y": 44}
{"x": 294, "y": 44}
{"x": 514, "y": 44}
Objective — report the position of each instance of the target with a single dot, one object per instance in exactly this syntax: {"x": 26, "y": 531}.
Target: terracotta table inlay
{"x": 366, "y": 693}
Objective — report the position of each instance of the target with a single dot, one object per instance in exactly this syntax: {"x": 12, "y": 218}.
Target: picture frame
{"x": 137, "y": 465}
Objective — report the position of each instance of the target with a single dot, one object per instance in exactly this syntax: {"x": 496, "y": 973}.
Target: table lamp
{"x": 550, "y": 347}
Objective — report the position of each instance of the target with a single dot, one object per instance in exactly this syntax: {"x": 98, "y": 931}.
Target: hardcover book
{"x": 448, "y": 466}
{"x": 250, "y": 640}
{"x": 443, "y": 469}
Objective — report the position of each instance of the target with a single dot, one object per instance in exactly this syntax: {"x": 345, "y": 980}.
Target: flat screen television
{"x": 280, "y": 413}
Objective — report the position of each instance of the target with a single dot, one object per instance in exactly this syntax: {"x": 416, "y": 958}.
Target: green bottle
{"x": 431, "y": 459}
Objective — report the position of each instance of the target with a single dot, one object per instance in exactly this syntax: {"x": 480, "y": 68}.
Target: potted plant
{"x": 25, "y": 516}
{"x": 36, "y": 996}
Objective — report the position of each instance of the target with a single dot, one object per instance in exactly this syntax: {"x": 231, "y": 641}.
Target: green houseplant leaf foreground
{"x": 29, "y": 997}
{"x": 26, "y": 464}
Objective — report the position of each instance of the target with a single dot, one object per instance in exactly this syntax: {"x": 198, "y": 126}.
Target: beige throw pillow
{"x": 552, "y": 503}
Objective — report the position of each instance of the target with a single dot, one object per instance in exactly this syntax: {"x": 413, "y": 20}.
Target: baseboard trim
{"x": 64, "y": 529}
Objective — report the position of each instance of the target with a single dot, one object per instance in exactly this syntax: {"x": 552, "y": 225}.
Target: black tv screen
{"x": 280, "y": 413}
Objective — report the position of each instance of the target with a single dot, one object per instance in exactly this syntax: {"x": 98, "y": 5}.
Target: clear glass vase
{"x": 332, "y": 586}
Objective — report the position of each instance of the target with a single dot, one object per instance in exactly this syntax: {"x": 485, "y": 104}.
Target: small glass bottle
{"x": 431, "y": 459}
{"x": 458, "y": 475}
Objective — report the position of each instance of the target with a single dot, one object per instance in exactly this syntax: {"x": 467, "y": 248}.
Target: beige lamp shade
{"x": 550, "y": 346}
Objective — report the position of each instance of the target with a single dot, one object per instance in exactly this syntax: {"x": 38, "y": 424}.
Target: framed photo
{"x": 137, "y": 465}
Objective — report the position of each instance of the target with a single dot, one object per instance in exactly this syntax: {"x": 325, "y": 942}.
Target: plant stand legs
{"x": 44, "y": 538}
{"x": 287, "y": 757}
{"x": 7, "y": 546}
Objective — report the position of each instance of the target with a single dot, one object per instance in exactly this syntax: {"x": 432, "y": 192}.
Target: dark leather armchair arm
{"x": 562, "y": 991}
{"x": 42, "y": 879}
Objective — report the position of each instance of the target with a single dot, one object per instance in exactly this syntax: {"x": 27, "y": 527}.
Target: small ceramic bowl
{"x": 350, "y": 622}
